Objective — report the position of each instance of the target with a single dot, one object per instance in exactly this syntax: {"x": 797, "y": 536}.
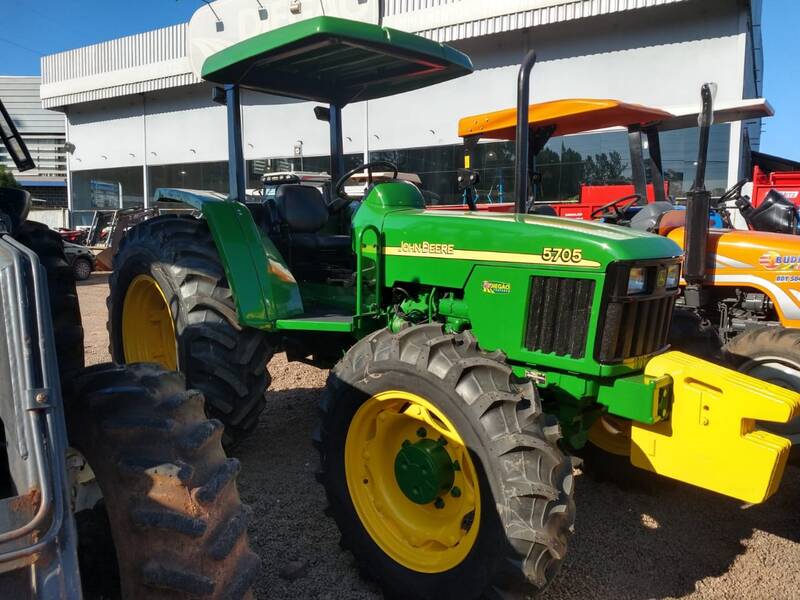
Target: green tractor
{"x": 472, "y": 351}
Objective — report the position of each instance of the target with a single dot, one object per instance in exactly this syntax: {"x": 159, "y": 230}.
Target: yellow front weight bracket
{"x": 711, "y": 439}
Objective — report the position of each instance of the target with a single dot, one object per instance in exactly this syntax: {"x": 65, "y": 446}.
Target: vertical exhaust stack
{"x": 698, "y": 203}
{"x": 522, "y": 149}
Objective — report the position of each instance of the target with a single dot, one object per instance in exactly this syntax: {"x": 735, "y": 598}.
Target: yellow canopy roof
{"x": 568, "y": 116}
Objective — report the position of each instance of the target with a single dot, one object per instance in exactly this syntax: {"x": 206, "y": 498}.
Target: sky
{"x": 31, "y": 28}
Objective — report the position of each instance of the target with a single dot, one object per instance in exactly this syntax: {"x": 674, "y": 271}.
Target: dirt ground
{"x": 662, "y": 540}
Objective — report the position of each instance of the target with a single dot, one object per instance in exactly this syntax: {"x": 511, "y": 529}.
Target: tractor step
{"x": 333, "y": 323}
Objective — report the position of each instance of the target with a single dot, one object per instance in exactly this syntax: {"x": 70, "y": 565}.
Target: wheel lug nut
{"x": 439, "y": 503}
{"x": 455, "y": 492}
{"x": 422, "y": 432}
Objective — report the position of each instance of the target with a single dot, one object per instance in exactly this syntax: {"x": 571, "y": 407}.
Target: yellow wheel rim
{"x": 612, "y": 435}
{"x": 148, "y": 332}
{"x": 428, "y": 538}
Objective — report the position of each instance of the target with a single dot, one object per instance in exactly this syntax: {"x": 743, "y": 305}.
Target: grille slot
{"x": 559, "y": 310}
{"x": 635, "y": 328}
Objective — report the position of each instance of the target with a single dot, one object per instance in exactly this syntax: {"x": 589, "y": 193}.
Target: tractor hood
{"x": 752, "y": 251}
{"x": 519, "y": 239}
{"x": 756, "y": 260}
{"x": 441, "y": 248}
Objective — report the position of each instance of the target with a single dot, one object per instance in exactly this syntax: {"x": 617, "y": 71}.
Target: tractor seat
{"x": 650, "y": 216}
{"x": 304, "y": 211}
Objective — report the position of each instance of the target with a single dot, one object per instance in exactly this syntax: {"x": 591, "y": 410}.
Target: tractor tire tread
{"x": 167, "y": 542}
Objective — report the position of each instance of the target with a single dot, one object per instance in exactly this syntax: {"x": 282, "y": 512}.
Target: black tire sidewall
{"x": 475, "y": 571}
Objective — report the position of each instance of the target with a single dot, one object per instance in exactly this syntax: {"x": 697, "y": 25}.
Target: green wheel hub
{"x": 424, "y": 470}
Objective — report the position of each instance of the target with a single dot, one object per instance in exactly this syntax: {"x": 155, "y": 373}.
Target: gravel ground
{"x": 662, "y": 540}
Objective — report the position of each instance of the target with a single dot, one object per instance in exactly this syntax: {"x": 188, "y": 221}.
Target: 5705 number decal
{"x": 562, "y": 256}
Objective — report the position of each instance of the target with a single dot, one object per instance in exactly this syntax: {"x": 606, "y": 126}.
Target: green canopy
{"x": 336, "y": 61}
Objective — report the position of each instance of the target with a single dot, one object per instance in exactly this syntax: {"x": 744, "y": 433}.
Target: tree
{"x": 605, "y": 169}
{"x": 7, "y": 178}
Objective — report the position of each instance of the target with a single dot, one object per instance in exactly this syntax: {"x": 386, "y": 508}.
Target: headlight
{"x": 673, "y": 277}
{"x": 637, "y": 281}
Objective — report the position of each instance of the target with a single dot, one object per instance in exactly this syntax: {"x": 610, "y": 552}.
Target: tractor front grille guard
{"x": 635, "y": 325}
{"x": 559, "y": 311}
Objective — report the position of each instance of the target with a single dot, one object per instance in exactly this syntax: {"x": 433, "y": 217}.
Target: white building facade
{"x": 139, "y": 118}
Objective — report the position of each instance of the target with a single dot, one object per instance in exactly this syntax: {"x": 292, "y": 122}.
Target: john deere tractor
{"x": 113, "y": 473}
{"x": 472, "y": 351}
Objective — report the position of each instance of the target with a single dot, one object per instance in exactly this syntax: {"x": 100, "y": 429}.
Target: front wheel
{"x": 442, "y": 473}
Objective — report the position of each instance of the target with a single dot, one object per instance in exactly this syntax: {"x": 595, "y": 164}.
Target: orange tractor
{"x": 740, "y": 301}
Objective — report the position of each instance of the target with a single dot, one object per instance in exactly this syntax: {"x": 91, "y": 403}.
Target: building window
{"x": 105, "y": 189}
{"x": 309, "y": 164}
{"x": 210, "y": 176}
{"x": 565, "y": 164}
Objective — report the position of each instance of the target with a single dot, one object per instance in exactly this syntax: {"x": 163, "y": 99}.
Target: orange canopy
{"x": 568, "y": 116}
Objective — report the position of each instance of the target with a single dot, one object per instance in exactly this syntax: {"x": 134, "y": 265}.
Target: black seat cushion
{"x": 323, "y": 244}
{"x": 301, "y": 207}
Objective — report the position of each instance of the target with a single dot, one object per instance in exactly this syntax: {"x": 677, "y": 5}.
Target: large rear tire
{"x": 179, "y": 528}
{"x": 501, "y": 521}
{"x": 771, "y": 354}
{"x": 170, "y": 303}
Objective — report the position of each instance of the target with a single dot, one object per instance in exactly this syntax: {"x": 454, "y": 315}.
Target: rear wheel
{"x": 442, "y": 473}
{"x": 170, "y": 303}
{"x": 168, "y": 491}
{"x": 771, "y": 354}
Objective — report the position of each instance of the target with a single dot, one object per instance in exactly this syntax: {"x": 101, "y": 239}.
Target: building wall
{"x": 657, "y": 56}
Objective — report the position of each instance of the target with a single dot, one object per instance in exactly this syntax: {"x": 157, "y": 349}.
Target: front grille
{"x": 559, "y": 309}
{"x": 634, "y": 325}
{"x": 635, "y": 328}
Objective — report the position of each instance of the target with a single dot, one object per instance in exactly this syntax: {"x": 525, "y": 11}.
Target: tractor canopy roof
{"x": 336, "y": 61}
{"x": 564, "y": 116}
{"x": 579, "y": 115}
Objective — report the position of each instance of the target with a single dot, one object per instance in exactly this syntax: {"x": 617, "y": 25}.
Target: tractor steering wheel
{"x": 619, "y": 211}
{"x": 340, "y": 197}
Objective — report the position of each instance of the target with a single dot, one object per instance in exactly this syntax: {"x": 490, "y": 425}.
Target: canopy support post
{"x": 236, "y": 165}
{"x": 337, "y": 150}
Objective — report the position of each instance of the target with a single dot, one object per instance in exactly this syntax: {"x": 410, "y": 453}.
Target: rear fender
{"x": 263, "y": 287}
{"x": 711, "y": 439}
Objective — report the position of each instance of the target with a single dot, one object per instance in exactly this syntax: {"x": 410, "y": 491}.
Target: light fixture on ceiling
{"x": 263, "y": 14}
{"x": 220, "y": 24}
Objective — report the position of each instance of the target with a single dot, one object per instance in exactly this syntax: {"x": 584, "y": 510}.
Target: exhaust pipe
{"x": 521, "y": 154}
{"x": 698, "y": 202}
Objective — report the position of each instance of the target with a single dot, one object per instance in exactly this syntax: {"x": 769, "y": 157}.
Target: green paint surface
{"x": 333, "y": 60}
